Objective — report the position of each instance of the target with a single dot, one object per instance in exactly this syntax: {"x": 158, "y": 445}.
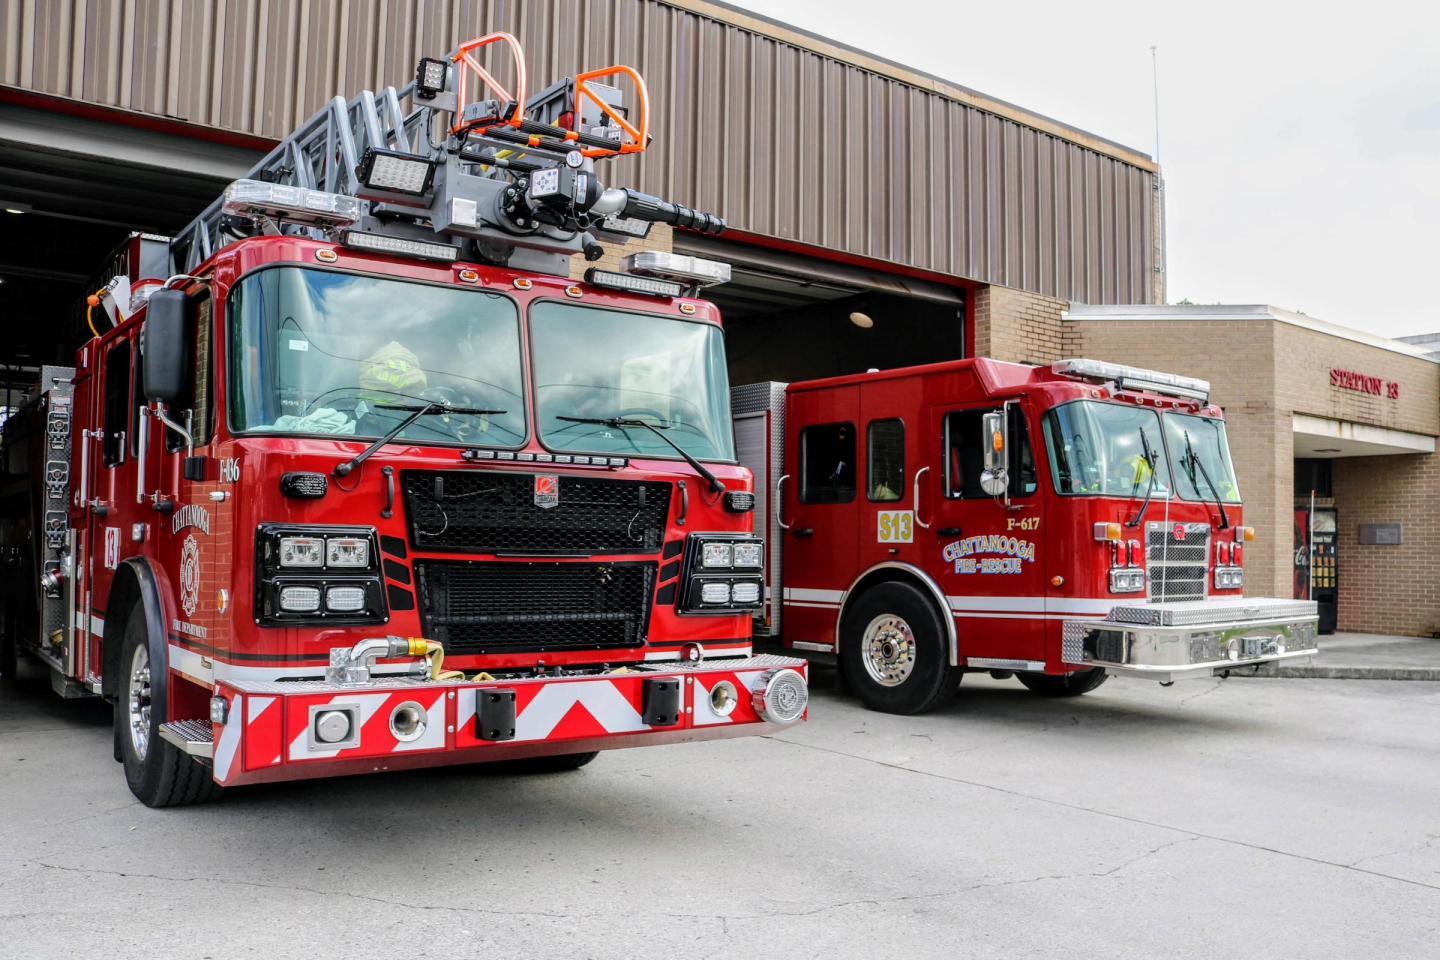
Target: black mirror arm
{"x": 185, "y": 435}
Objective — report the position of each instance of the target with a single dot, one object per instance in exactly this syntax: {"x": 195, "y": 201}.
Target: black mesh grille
{"x": 500, "y": 607}
{"x": 482, "y": 512}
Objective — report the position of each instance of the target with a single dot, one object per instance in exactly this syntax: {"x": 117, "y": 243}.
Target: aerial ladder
{"x": 506, "y": 176}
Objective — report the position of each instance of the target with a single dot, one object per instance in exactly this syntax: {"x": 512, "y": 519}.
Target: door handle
{"x": 949, "y": 531}
{"x": 805, "y": 532}
{"x": 918, "y": 474}
{"x": 779, "y": 504}
{"x": 141, "y": 441}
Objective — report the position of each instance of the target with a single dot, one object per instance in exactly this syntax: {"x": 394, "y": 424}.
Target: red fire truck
{"x": 1058, "y": 524}
{"x": 371, "y": 484}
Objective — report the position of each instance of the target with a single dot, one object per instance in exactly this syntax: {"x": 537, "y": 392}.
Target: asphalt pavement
{"x": 1216, "y": 818}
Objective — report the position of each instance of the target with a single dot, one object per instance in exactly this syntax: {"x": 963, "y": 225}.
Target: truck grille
{"x": 1178, "y": 566}
{"x": 473, "y": 607}
{"x": 471, "y": 511}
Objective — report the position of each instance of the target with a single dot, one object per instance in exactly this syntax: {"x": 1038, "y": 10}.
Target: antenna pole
{"x": 1155, "y": 80}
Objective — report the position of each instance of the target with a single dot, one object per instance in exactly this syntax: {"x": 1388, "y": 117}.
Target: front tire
{"x": 158, "y": 773}
{"x": 894, "y": 652}
{"x": 1064, "y": 684}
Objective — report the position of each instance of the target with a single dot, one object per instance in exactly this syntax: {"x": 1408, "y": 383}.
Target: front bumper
{"x": 270, "y": 728}
{"x": 1200, "y": 638}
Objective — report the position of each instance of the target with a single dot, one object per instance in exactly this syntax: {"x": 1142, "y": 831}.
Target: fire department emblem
{"x": 190, "y": 576}
{"x": 1179, "y": 531}
{"x": 547, "y": 490}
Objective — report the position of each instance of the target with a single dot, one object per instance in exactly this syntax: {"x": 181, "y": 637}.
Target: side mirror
{"x": 162, "y": 346}
{"x": 995, "y": 432}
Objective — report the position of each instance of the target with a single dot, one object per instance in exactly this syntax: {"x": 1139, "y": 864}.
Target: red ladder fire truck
{"x": 1060, "y": 524}
{"x": 371, "y": 484}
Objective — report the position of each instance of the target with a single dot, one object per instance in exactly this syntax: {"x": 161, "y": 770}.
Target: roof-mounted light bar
{"x": 252, "y": 198}
{"x": 633, "y": 284}
{"x": 401, "y": 246}
{"x": 691, "y": 271}
{"x": 1135, "y": 378}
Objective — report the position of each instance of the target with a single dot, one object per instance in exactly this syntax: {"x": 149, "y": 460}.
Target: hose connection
{"x": 352, "y": 665}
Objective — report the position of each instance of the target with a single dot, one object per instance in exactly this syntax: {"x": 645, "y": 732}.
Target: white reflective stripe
{"x": 600, "y": 698}
{"x": 97, "y": 626}
{"x": 232, "y": 671}
{"x": 985, "y": 615}
{"x": 191, "y": 664}
{"x": 434, "y": 735}
{"x": 1042, "y": 605}
{"x": 465, "y": 707}
{"x": 229, "y": 743}
{"x": 258, "y": 706}
{"x": 814, "y": 606}
{"x": 1094, "y": 605}
{"x": 368, "y": 704}
{"x": 822, "y": 596}
{"x": 711, "y": 653}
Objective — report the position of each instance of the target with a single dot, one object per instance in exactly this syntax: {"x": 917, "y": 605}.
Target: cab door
{"x": 893, "y": 464}
{"x": 109, "y": 481}
{"x": 818, "y": 509}
{"x": 988, "y": 559}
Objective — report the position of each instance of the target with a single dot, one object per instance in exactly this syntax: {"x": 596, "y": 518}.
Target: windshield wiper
{"x": 1149, "y": 456}
{"x": 618, "y": 423}
{"x": 416, "y": 412}
{"x": 1195, "y": 462}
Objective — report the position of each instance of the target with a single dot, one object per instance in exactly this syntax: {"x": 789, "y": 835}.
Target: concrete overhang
{"x": 1324, "y": 438}
{"x": 1242, "y": 311}
{"x": 51, "y": 132}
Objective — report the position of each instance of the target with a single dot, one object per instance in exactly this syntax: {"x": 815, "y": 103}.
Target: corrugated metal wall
{"x": 778, "y": 139}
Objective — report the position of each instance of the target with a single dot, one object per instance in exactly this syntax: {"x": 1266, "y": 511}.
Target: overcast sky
{"x": 1300, "y": 143}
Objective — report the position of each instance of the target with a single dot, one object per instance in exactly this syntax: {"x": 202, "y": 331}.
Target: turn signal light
{"x": 1244, "y": 534}
{"x": 1106, "y": 531}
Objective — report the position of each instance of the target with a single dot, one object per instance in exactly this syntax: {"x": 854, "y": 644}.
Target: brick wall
{"x": 1389, "y": 589}
{"x": 660, "y": 239}
{"x": 1018, "y": 326}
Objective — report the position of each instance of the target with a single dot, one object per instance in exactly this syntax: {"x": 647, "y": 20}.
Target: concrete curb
{"x": 1315, "y": 671}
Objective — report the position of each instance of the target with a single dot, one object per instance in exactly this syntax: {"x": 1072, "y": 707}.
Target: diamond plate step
{"x": 195, "y": 737}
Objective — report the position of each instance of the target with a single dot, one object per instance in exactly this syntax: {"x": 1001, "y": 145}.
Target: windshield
{"x": 1096, "y": 448}
{"x": 602, "y": 364}
{"x": 1207, "y": 438}
{"x": 331, "y": 353}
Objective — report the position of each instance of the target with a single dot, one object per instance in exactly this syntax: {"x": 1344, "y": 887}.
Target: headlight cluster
{"x": 1229, "y": 578}
{"x": 1127, "y": 580}
{"x": 723, "y": 573}
{"x": 317, "y": 574}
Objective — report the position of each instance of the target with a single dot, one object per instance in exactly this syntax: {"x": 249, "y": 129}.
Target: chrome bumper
{"x": 1201, "y": 638}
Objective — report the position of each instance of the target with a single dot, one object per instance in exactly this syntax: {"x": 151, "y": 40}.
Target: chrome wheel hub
{"x": 137, "y": 701}
{"x": 888, "y": 649}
